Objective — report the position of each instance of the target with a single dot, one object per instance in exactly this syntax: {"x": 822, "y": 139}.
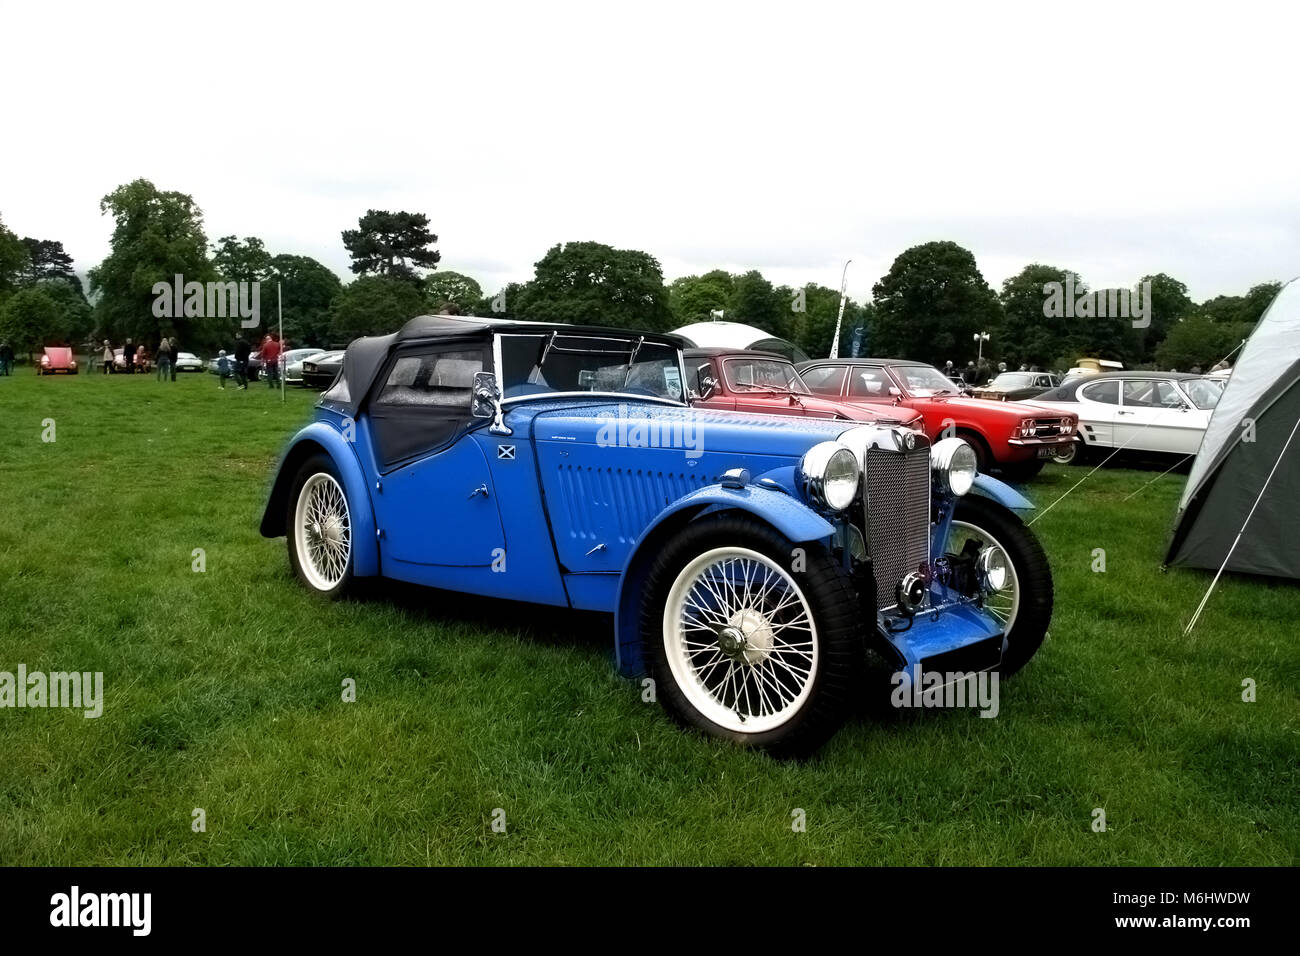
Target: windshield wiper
{"x": 631, "y": 359}
{"x": 541, "y": 358}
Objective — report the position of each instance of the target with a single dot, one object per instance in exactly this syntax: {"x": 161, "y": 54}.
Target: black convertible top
{"x": 365, "y": 356}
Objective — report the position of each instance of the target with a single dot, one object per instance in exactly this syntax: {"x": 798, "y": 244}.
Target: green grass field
{"x": 223, "y": 692}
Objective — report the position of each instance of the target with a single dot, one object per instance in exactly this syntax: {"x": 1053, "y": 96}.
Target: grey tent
{"x": 1233, "y": 475}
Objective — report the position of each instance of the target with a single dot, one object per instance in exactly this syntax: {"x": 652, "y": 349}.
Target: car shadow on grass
{"x": 542, "y": 624}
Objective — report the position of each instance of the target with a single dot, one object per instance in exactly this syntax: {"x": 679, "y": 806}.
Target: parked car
{"x": 1016, "y": 386}
{"x": 292, "y": 361}
{"x": 254, "y": 364}
{"x": 143, "y": 361}
{"x": 1092, "y": 366}
{"x": 761, "y": 382}
{"x": 56, "y": 359}
{"x": 319, "y": 371}
{"x": 747, "y": 563}
{"x": 1014, "y": 437}
{"x": 1160, "y": 412}
{"x": 188, "y": 362}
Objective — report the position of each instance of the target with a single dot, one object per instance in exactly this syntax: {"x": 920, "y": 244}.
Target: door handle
{"x": 480, "y": 490}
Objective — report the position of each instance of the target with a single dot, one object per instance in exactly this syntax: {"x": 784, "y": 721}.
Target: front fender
{"x": 788, "y": 515}
{"x": 319, "y": 437}
{"x": 1002, "y": 493}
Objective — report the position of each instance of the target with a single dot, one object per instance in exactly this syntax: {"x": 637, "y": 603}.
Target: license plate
{"x": 1046, "y": 451}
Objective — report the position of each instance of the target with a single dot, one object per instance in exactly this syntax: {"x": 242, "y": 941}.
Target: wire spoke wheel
{"x": 740, "y": 639}
{"x": 1003, "y": 602}
{"x": 322, "y": 529}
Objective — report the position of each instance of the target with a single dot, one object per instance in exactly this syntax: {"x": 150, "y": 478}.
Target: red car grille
{"x": 1050, "y": 428}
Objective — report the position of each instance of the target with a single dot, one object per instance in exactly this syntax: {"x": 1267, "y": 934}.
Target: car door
{"x": 742, "y": 380}
{"x": 1153, "y": 416}
{"x": 872, "y": 383}
{"x": 827, "y": 380}
{"x": 1192, "y": 423}
{"x": 701, "y": 371}
{"x": 1098, "y": 410}
{"x": 434, "y": 499}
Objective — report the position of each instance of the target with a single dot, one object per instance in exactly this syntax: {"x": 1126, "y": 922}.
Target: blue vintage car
{"x": 752, "y": 563}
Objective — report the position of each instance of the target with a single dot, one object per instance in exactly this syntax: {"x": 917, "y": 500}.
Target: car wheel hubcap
{"x": 323, "y": 531}
{"x": 1002, "y": 584}
{"x": 740, "y": 640}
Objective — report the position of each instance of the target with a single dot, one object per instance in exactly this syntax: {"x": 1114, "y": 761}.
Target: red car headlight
{"x": 1028, "y": 428}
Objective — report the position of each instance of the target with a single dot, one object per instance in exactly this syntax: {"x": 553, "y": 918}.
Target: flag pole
{"x": 844, "y": 284}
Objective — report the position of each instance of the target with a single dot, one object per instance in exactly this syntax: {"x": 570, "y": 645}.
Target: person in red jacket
{"x": 271, "y": 360}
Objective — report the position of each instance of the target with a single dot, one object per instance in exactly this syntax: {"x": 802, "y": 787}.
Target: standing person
{"x": 128, "y": 357}
{"x": 241, "y": 361}
{"x": 108, "y": 357}
{"x": 173, "y": 346}
{"x": 271, "y": 360}
{"x": 164, "y": 359}
{"x": 6, "y": 359}
{"x": 223, "y": 369}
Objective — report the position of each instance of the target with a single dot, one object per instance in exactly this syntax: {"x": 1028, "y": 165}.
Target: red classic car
{"x": 749, "y": 381}
{"x": 56, "y": 359}
{"x": 1016, "y": 437}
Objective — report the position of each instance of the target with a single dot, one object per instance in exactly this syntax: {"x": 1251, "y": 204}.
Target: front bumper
{"x": 958, "y": 638}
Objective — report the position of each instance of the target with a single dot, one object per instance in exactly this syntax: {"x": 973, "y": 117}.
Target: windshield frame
{"x": 1185, "y": 386}
{"x": 1023, "y": 380}
{"x": 742, "y": 388}
{"x": 634, "y": 342}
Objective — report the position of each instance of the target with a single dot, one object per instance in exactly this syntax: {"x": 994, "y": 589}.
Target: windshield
{"x": 552, "y": 362}
{"x": 1014, "y": 380}
{"x": 763, "y": 375}
{"x": 923, "y": 380}
{"x": 1204, "y": 392}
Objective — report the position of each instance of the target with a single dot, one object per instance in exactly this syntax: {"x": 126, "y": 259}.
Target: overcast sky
{"x": 1111, "y": 139}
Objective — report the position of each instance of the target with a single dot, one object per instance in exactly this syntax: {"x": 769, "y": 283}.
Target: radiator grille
{"x": 898, "y": 517}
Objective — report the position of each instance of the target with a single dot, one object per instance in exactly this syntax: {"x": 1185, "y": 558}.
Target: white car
{"x": 188, "y": 362}
{"x": 292, "y": 361}
{"x": 1161, "y": 412}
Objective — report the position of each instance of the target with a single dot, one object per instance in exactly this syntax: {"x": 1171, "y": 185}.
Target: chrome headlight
{"x": 829, "y": 474}
{"x": 953, "y": 464}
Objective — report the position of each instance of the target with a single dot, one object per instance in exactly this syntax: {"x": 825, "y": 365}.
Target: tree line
{"x": 929, "y": 306}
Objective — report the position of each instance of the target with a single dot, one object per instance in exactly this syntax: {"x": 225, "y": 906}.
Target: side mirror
{"x": 486, "y": 395}
{"x": 486, "y": 402}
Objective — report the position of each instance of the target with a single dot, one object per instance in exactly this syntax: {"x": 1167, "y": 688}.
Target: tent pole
{"x": 1258, "y": 498}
